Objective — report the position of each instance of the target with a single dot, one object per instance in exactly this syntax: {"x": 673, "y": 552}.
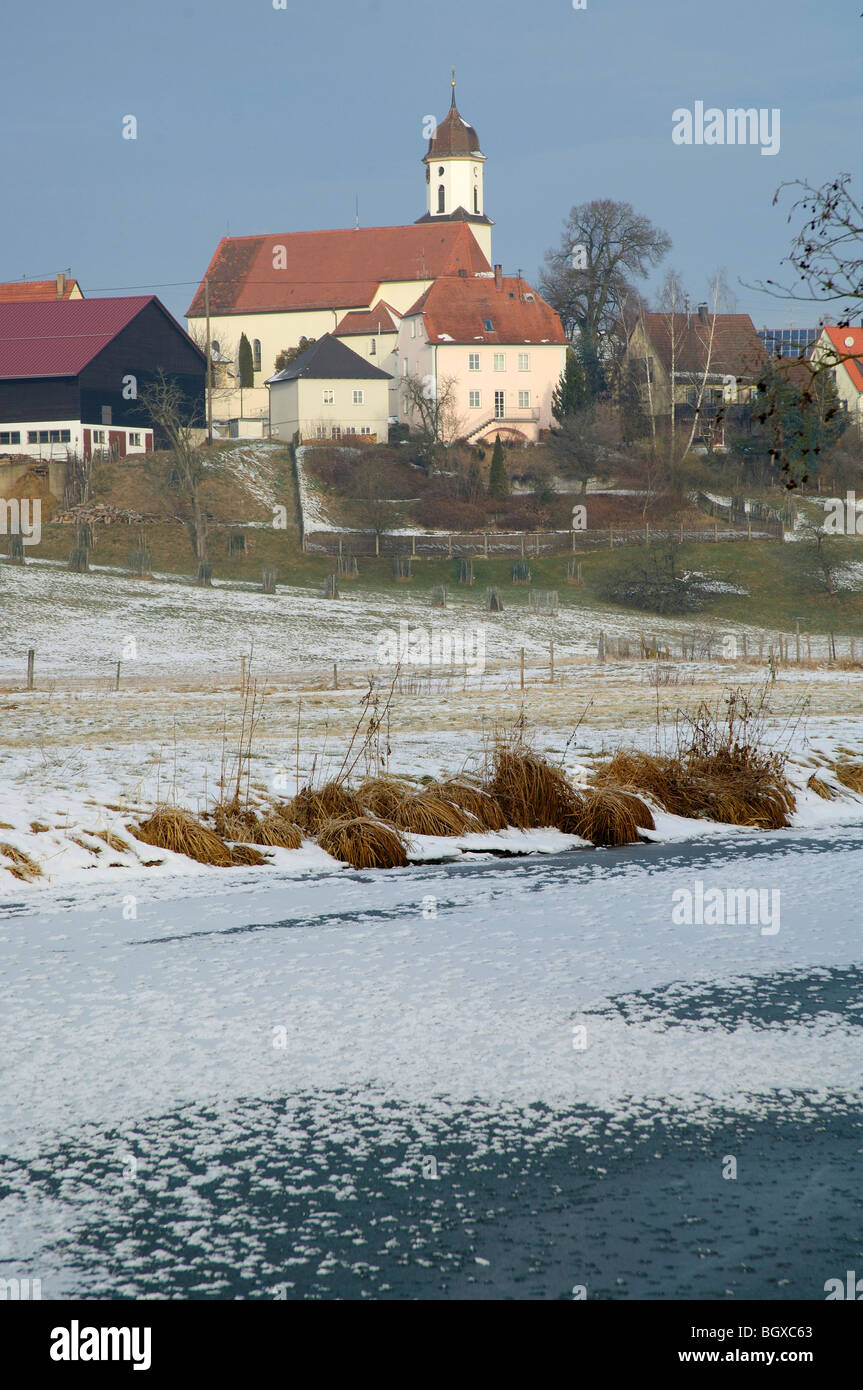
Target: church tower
{"x": 454, "y": 177}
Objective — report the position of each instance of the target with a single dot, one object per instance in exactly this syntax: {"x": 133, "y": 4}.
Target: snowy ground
{"x": 479, "y": 1080}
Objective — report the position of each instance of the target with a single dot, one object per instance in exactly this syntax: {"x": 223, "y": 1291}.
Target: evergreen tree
{"x": 498, "y": 478}
{"x": 246, "y": 363}
{"x": 571, "y": 393}
{"x": 592, "y": 367}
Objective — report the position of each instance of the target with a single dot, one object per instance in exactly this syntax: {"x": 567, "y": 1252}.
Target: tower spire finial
{"x": 452, "y": 84}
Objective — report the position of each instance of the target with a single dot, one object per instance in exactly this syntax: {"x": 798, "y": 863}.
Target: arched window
{"x": 215, "y": 345}
{"x": 441, "y": 199}
{"x": 256, "y": 354}
{"x": 476, "y": 200}
{"x": 372, "y": 348}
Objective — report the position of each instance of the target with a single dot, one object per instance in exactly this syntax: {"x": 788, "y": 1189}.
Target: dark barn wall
{"x": 150, "y": 343}
{"x": 43, "y": 398}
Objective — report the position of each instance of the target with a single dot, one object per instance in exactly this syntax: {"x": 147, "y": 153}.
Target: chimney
{"x": 498, "y": 277}
{"x": 703, "y": 313}
{"x": 61, "y": 284}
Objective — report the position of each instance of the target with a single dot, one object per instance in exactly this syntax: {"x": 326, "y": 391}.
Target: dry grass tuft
{"x": 312, "y": 807}
{"x": 719, "y": 770}
{"x": 22, "y": 865}
{"x": 111, "y": 840}
{"x": 173, "y": 829}
{"x": 245, "y": 854}
{"x": 363, "y": 842}
{"x": 850, "y": 775}
{"x": 822, "y": 789}
{"x": 473, "y": 799}
{"x": 381, "y": 795}
{"x": 611, "y": 817}
{"x": 275, "y": 831}
{"x": 530, "y": 791}
{"x": 38, "y": 827}
{"x": 426, "y": 813}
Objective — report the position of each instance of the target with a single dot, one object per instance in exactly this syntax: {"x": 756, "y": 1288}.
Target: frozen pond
{"x": 487, "y": 1079}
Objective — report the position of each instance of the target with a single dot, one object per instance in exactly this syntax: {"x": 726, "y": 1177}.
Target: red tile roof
{"x": 59, "y": 337}
{"x": 454, "y": 309}
{"x": 379, "y": 319}
{"x": 847, "y": 343}
{"x": 736, "y": 349}
{"x": 340, "y": 269}
{"x": 23, "y": 291}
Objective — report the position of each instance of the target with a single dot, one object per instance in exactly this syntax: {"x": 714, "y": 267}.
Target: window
{"x": 476, "y": 200}
{"x": 475, "y": 399}
{"x": 10, "y": 436}
{"x": 134, "y": 441}
{"x": 529, "y": 298}
{"x": 215, "y": 345}
{"x": 359, "y": 397}
{"x": 32, "y": 436}
{"x": 413, "y": 328}
{"x": 107, "y": 415}
{"x": 500, "y": 361}
{"x": 488, "y": 325}
{"x": 329, "y": 395}
{"x": 404, "y": 366}
{"x": 337, "y": 431}
{"x": 441, "y": 199}
{"x": 256, "y": 354}
{"x": 524, "y": 400}
{"x": 321, "y": 432}
{"x": 98, "y": 436}
{"x": 499, "y": 405}
{"x": 373, "y": 348}
{"x": 524, "y": 361}
{"x": 473, "y": 361}
{"x": 365, "y": 429}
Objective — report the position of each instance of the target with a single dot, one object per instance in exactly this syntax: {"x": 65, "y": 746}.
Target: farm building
{"x": 71, "y": 371}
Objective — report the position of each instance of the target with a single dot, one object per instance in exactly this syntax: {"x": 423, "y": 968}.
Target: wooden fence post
{"x": 551, "y": 663}
{"x": 117, "y": 678}
{"x": 335, "y": 675}
{"x": 522, "y": 668}
{"x": 31, "y": 657}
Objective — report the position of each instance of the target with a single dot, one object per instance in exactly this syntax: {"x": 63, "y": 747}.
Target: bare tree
{"x": 588, "y": 278}
{"x": 433, "y": 402}
{"x": 168, "y": 407}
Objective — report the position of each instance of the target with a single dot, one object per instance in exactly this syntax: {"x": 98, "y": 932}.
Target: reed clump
{"x": 363, "y": 842}
{"x": 247, "y": 854}
{"x": 611, "y": 817}
{"x": 22, "y": 866}
{"x": 312, "y": 807}
{"x": 426, "y": 813}
{"x": 850, "y": 775}
{"x": 170, "y": 828}
{"x": 472, "y": 798}
{"x": 381, "y": 795}
{"x": 719, "y": 771}
{"x": 530, "y": 791}
{"x": 822, "y": 788}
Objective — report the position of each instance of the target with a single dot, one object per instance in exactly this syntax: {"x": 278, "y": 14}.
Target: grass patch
{"x": 363, "y": 842}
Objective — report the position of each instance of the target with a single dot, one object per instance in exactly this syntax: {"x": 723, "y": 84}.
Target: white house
{"x": 842, "y": 349}
{"x": 330, "y": 392}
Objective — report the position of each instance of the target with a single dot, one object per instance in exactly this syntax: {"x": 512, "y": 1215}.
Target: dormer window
{"x": 488, "y": 325}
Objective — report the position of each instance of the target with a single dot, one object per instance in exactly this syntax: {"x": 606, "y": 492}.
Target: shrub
{"x": 363, "y": 842}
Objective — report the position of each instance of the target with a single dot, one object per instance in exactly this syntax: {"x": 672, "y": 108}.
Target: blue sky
{"x": 261, "y": 120}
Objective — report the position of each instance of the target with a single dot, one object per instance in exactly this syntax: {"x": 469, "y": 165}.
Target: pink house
{"x": 495, "y": 345}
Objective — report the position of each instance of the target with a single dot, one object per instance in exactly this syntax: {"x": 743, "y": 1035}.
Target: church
{"x": 367, "y": 286}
